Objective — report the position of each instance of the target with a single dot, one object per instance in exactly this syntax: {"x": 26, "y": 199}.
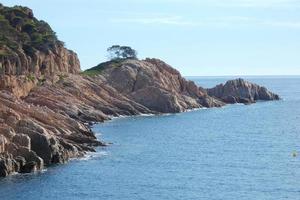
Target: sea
{"x": 238, "y": 152}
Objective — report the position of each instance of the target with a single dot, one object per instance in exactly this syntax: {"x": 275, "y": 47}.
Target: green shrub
{"x": 30, "y": 77}
{"x": 29, "y": 28}
{"x": 20, "y": 30}
{"x": 99, "y": 68}
{"x": 41, "y": 80}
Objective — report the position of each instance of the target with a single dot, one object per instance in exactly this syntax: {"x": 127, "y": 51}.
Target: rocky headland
{"x": 47, "y": 105}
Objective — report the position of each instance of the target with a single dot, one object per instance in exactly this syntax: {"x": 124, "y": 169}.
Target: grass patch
{"x": 91, "y": 72}
{"x": 30, "y": 77}
{"x": 4, "y": 52}
{"x": 102, "y": 66}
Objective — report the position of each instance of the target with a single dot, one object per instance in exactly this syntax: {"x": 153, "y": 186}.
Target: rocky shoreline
{"x": 47, "y": 106}
{"x": 51, "y": 124}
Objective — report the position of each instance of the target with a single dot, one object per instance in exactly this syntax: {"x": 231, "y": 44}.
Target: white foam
{"x": 146, "y": 115}
{"x": 94, "y": 155}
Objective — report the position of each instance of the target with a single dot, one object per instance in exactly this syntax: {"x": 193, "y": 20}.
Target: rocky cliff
{"x": 30, "y": 51}
{"x": 155, "y": 85}
{"x": 30, "y": 46}
{"x": 31, "y": 56}
{"x": 51, "y": 123}
{"x": 47, "y": 106}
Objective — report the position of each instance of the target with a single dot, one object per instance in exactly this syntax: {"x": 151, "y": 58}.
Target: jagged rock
{"x": 23, "y": 153}
{"x": 29, "y": 167}
{"x": 241, "y": 91}
{"x": 6, "y": 165}
{"x": 22, "y": 140}
{"x": 7, "y": 132}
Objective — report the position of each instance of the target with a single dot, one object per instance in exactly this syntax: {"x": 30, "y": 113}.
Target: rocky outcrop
{"x": 33, "y": 136}
{"x": 155, "y": 85}
{"x": 241, "y": 91}
{"x": 51, "y": 123}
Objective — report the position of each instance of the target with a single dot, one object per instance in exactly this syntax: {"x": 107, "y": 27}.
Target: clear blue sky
{"x": 198, "y": 37}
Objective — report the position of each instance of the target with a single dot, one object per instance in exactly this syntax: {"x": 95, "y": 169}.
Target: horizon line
{"x": 257, "y": 75}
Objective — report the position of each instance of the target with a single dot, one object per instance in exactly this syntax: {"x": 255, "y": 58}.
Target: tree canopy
{"x": 117, "y": 52}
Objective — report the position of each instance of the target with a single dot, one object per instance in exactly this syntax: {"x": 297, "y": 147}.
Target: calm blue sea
{"x": 236, "y": 152}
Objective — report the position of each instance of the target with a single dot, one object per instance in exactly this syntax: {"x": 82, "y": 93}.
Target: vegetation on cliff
{"x": 117, "y": 52}
{"x": 117, "y": 55}
{"x": 20, "y": 29}
{"x": 102, "y": 66}
{"x": 30, "y": 46}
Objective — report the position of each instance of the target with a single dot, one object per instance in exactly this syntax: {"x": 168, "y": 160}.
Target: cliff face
{"x": 31, "y": 56}
{"x": 30, "y": 51}
{"x": 55, "y": 61}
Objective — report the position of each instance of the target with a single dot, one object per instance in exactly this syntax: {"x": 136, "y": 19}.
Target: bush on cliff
{"x": 102, "y": 66}
{"x": 19, "y": 29}
{"x": 117, "y": 52}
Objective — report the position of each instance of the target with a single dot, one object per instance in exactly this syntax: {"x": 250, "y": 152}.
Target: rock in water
{"x": 241, "y": 91}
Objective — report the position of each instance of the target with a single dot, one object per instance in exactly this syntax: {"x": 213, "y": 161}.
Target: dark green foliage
{"x": 117, "y": 55}
{"x": 17, "y": 22}
{"x": 28, "y": 49}
{"x": 121, "y": 52}
{"x": 29, "y": 28}
{"x": 20, "y": 30}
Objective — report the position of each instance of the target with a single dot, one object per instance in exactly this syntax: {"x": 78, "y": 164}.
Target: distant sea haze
{"x": 235, "y": 152}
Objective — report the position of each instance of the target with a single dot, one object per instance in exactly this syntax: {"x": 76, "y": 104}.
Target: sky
{"x": 197, "y": 37}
